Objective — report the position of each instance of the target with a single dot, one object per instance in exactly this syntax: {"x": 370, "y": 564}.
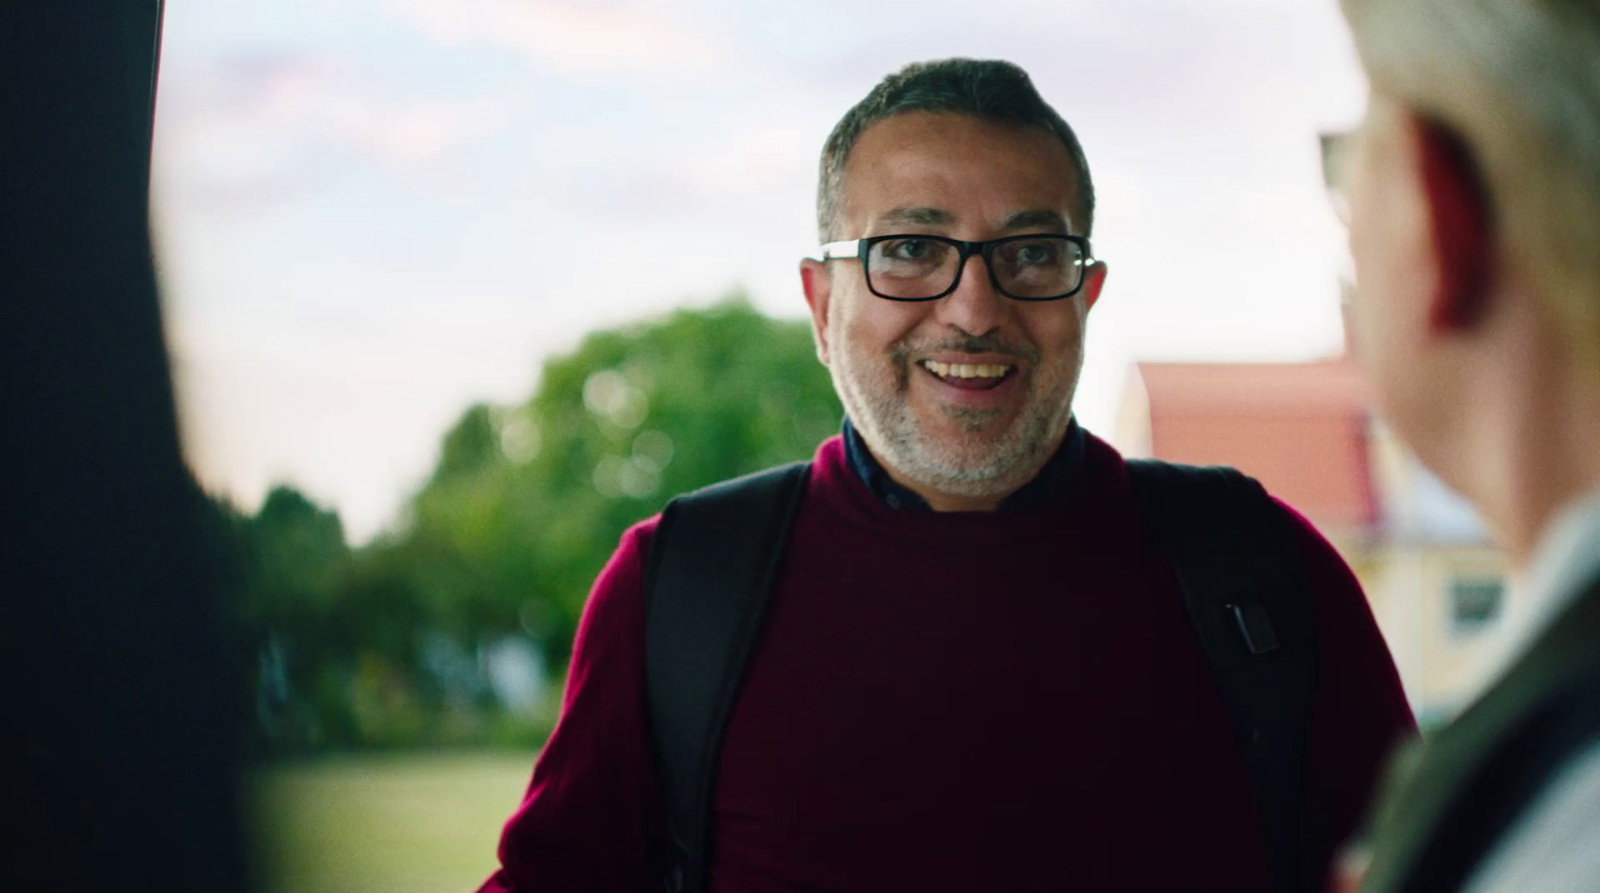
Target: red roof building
{"x": 1299, "y": 428}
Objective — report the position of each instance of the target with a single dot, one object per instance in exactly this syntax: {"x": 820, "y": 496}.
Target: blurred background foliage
{"x": 455, "y": 627}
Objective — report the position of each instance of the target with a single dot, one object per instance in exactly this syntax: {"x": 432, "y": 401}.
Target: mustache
{"x": 902, "y": 351}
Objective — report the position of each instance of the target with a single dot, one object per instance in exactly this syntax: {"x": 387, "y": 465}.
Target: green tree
{"x": 382, "y": 645}
{"x": 528, "y": 501}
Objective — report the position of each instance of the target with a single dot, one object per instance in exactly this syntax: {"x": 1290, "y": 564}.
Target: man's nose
{"x": 976, "y": 307}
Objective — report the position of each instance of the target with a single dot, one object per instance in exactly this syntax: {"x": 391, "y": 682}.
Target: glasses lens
{"x": 1336, "y": 160}
{"x": 911, "y": 267}
{"x": 1038, "y": 266}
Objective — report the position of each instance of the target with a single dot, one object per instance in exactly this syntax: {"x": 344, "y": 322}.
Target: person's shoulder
{"x": 1346, "y": 625}
{"x": 1329, "y": 575}
{"x": 618, "y": 592}
{"x": 635, "y": 541}
{"x": 1304, "y": 531}
{"x": 1551, "y": 844}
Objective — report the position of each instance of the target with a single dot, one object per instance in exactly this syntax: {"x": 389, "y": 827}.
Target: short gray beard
{"x": 883, "y": 416}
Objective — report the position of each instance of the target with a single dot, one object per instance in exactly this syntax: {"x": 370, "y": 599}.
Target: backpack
{"x": 717, "y": 552}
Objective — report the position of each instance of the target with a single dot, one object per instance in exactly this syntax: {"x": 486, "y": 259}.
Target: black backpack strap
{"x": 1245, "y": 586}
{"x": 713, "y": 559}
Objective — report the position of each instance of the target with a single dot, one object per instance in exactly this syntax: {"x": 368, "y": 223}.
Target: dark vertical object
{"x": 119, "y": 704}
{"x": 713, "y": 562}
{"x": 1246, "y": 591}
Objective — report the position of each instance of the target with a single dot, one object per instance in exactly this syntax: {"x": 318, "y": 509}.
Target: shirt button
{"x": 894, "y": 501}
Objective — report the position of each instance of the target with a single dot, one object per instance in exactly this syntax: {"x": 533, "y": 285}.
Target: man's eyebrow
{"x": 920, "y": 216}
{"x": 1042, "y": 218}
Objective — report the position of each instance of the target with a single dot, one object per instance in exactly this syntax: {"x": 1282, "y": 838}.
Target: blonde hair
{"x": 1519, "y": 82}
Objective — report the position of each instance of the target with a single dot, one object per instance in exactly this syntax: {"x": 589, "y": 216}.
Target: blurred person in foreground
{"x": 976, "y": 671}
{"x": 1474, "y": 198}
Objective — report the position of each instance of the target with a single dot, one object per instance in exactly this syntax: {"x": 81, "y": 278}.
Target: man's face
{"x": 971, "y": 393}
{"x": 1389, "y": 243}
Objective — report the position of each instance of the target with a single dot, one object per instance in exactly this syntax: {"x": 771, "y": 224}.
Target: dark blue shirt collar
{"x": 1052, "y": 481}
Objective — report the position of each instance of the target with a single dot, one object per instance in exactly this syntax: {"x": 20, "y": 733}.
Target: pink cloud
{"x": 578, "y": 38}
{"x": 254, "y": 128}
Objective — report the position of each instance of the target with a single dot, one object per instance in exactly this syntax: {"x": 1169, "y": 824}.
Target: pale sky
{"x": 371, "y": 213}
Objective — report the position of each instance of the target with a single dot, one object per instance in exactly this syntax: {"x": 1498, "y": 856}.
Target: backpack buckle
{"x": 1256, "y": 628}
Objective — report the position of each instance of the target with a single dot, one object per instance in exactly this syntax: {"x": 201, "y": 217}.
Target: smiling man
{"x": 967, "y": 647}
{"x": 962, "y": 389}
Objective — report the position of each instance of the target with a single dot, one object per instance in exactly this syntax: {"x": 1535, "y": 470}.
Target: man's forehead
{"x": 923, "y": 215}
{"x": 938, "y": 169}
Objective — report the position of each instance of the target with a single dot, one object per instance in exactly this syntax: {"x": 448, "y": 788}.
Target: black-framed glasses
{"x": 1034, "y": 267}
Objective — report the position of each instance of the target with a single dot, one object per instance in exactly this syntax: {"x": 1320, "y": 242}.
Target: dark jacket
{"x": 1451, "y": 800}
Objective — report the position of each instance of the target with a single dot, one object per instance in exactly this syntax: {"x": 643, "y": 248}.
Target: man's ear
{"x": 817, "y": 281}
{"x": 1094, "y": 279}
{"x": 1459, "y": 217}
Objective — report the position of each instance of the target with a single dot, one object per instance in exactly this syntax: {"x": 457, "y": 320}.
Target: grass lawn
{"x": 410, "y": 823}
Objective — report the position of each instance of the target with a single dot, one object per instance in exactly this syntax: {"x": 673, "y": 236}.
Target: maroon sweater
{"x": 955, "y": 701}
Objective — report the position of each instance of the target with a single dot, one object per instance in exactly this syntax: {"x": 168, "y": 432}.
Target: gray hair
{"x": 988, "y": 89}
{"x": 1518, "y": 81}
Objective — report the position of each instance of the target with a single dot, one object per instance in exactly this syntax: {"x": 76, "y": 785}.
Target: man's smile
{"x": 969, "y": 376}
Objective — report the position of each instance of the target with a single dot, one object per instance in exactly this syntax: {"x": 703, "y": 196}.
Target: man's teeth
{"x": 966, "y": 370}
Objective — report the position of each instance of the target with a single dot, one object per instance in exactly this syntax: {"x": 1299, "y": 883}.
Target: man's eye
{"x": 1036, "y": 253}
{"x": 908, "y": 249}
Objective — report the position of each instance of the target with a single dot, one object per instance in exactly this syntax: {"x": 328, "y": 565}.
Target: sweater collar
{"x": 1053, "y": 479}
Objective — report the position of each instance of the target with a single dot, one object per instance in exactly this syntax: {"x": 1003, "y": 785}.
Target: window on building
{"x": 1475, "y": 604}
